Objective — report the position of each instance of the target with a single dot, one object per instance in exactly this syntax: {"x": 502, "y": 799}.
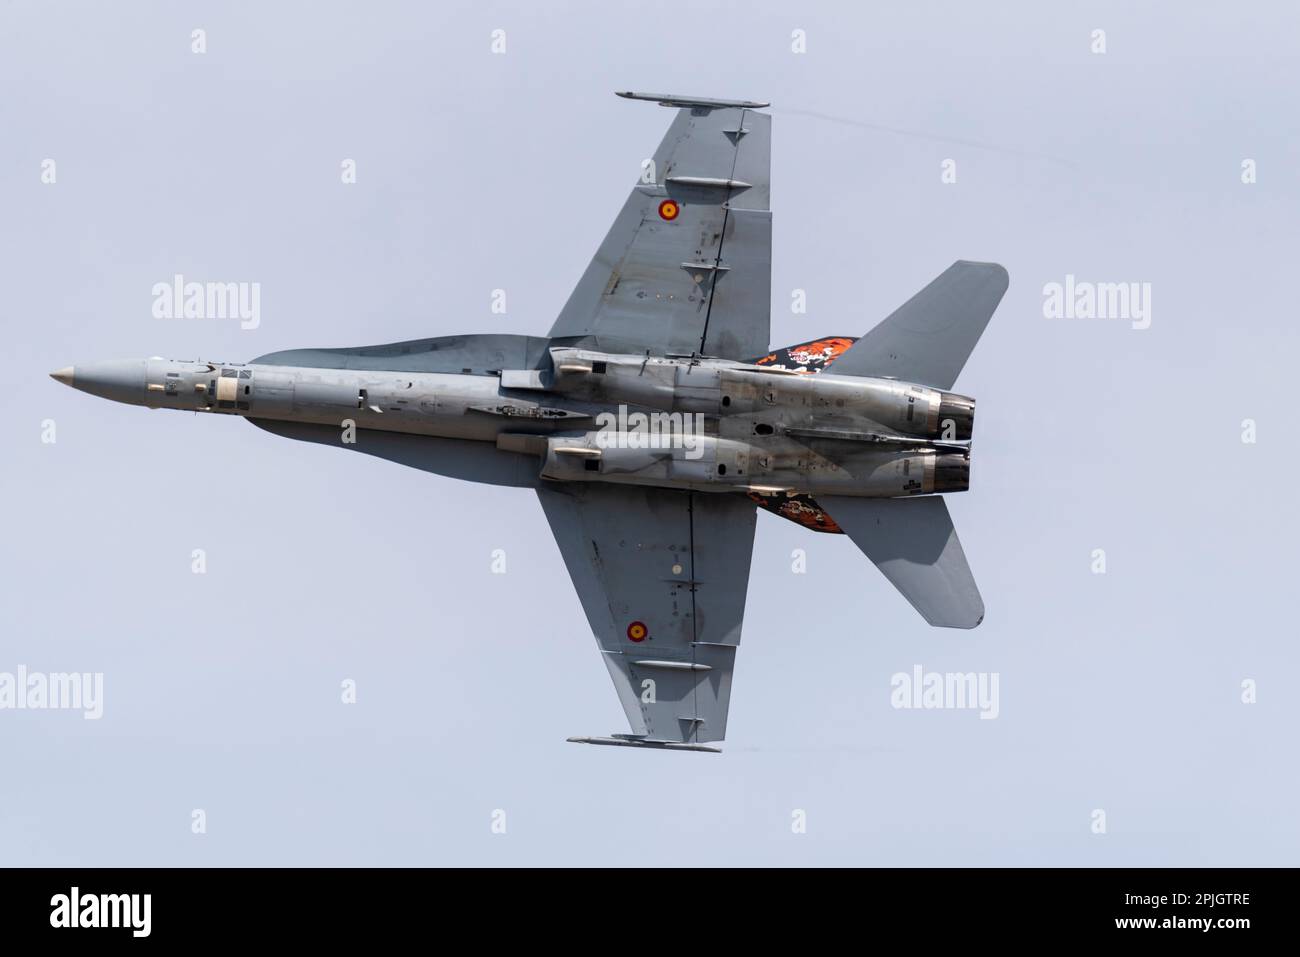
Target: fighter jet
{"x": 653, "y": 421}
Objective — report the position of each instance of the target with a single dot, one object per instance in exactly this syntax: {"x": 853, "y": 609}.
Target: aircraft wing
{"x": 662, "y": 576}
{"x": 687, "y": 266}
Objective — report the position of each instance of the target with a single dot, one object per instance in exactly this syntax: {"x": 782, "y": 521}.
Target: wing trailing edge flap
{"x": 913, "y": 542}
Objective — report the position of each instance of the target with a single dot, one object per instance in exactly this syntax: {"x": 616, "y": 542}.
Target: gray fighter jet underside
{"x": 654, "y": 420}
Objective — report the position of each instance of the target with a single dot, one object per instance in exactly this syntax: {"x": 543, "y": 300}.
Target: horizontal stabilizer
{"x": 929, "y": 338}
{"x": 913, "y": 542}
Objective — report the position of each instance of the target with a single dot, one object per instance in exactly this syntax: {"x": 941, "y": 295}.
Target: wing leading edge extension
{"x": 662, "y": 576}
{"x": 686, "y": 267}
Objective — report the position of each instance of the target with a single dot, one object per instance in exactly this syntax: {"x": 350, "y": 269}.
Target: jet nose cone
{"x": 122, "y": 380}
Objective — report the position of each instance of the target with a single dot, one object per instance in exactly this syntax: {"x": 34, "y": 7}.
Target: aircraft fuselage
{"x": 673, "y": 422}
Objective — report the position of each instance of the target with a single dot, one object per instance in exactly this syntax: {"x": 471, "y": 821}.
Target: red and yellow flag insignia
{"x": 668, "y": 210}
{"x": 637, "y": 631}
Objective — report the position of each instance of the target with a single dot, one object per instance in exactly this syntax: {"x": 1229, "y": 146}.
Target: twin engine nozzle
{"x": 951, "y": 472}
{"x": 956, "y": 417}
{"x": 955, "y": 423}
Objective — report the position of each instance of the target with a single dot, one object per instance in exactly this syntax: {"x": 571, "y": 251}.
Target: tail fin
{"x": 928, "y": 339}
{"x": 800, "y": 509}
{"x": 913, "y": 542}
{"x": 807, "y": 357}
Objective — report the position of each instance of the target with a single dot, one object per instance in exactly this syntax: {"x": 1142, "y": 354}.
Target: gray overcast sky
{"x": 478, "y": 171}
